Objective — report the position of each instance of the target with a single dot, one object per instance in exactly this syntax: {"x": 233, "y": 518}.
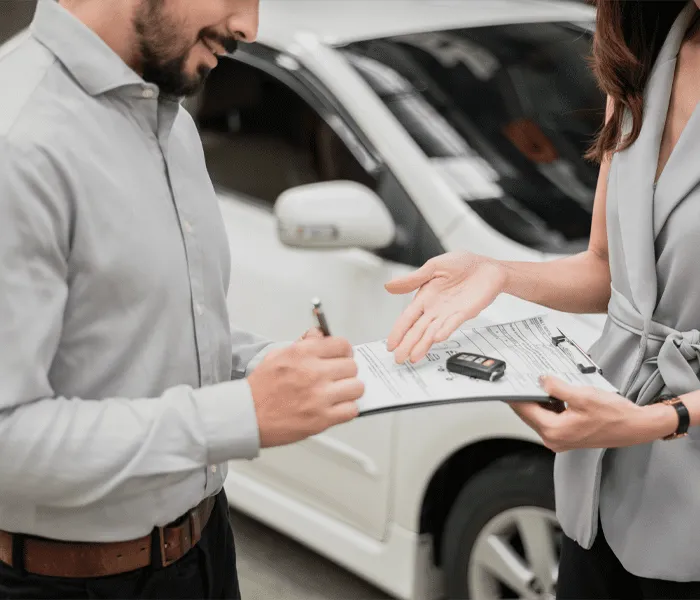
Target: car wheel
{"x": 501, "y": 538}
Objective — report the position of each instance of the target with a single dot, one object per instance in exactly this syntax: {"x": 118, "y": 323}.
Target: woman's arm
{"x": 575, "y": 284}
{"x": 457, "y": 286}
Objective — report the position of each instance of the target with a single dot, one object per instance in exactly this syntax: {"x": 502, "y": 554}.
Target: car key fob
{"x": 476, "y": 365}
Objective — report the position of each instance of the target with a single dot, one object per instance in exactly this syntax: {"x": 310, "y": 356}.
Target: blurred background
{"x": 434, "y": 125}
{"x": 14, "y": 14}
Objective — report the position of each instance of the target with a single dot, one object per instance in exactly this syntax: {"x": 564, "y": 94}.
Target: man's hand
{"x": 304, "y": 389}
{"x": 314, "y": 333}
{"x": 594, "y": 418}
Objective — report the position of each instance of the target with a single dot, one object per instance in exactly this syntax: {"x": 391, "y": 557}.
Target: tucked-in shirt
{"x": 122, "y": 387}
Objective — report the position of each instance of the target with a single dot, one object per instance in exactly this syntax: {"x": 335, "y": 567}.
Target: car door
{"x": 266, "y": 126}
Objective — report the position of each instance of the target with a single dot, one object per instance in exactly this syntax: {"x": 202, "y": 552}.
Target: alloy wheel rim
{"x": 516, "y": 555}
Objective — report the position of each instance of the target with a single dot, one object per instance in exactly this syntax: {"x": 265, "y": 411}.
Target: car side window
{"x": 261, "y": 138}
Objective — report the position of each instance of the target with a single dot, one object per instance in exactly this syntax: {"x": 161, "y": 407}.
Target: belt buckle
{"x": 189, "y": 536}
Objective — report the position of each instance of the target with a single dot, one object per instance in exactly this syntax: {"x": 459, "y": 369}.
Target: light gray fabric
{"x": 117, "y": 407}
{"x": 648, "y": 496}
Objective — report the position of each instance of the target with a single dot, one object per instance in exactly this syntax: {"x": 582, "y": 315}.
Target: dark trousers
{"x": 207, "y": 571}
{"x": 597, "y": 574}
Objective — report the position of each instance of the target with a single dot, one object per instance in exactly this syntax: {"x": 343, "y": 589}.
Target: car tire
{"x": 500, "y": 513}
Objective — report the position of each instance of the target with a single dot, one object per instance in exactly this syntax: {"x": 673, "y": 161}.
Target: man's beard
{"x": 160, "y": 64}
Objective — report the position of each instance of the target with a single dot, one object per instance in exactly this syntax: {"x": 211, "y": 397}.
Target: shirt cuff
{"x": 230, "y": 423}
{"x": 258, "y": 358}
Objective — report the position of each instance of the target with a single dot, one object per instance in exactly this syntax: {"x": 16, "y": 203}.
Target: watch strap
{"x": 683, "y": 416}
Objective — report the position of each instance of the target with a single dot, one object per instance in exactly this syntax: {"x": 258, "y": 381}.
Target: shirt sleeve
{"x": 249, "y": 350}
{"x": 67, "y": 452}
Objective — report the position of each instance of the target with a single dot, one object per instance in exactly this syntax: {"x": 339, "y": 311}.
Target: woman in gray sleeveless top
{"x": 627, "y": 484}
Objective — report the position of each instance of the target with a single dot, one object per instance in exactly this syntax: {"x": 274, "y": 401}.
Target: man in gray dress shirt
{"x": 123, "y": 392}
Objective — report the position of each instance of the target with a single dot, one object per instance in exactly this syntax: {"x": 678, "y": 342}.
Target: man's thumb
{"x": 411, "y": 282}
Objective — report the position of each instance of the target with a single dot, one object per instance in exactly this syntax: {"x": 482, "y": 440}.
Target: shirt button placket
{"x": 196, "y": 276}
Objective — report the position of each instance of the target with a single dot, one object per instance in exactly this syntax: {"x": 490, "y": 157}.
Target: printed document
{"x": 526, "y": 346}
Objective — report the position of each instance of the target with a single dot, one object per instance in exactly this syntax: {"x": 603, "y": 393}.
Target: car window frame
{"x": 312, "y": 91}
{"x": 579, "y": 27}
{"x": 315, "y": 93}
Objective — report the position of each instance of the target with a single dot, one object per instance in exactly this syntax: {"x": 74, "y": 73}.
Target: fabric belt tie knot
{"x": 678, "y": 350}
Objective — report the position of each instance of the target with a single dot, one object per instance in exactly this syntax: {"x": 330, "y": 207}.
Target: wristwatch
{"x": 683, "y": 415}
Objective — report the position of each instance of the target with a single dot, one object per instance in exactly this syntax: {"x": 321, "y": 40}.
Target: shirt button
{"x": 213, "y": 469}
{"x": 188, "y": 227}
{"x": 200, "y": 310}
{"x": 148, "y": 93}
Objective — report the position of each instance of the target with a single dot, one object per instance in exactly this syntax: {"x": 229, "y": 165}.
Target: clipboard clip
{"x": 588, "y": 369}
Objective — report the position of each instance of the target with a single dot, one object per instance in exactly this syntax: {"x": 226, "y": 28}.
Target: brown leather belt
{"x": 83, "y": 560}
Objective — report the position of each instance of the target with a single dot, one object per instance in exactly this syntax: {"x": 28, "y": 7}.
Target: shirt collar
{"x": 94, "y": 65}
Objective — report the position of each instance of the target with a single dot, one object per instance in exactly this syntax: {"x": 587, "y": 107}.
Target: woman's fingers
{"x": 534, "y": 415}
{"x": 422, "y": 347}
{"x": 404, "y": 323}
{"x": 449, "y": 326}
{"x": 411, "y": 282}
{"x": 412, "y": 338}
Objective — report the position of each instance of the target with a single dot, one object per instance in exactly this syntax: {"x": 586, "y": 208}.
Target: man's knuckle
{"x": 308, "y": 373}
{"x": 295, "y": 353}
{"x": 316, "y": 392}
{"x": 343, "y": 347}
{"x": 311, "y": 409}
{"x": 282, "y": 369}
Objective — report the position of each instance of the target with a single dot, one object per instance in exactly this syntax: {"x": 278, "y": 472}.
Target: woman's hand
{"x": 594, "y": 418}
{"x": 452, "y": 288}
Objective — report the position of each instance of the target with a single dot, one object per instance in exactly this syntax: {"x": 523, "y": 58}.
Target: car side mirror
{"x": 334, "y": 214}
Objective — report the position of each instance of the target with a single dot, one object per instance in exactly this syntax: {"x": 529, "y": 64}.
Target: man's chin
{"x": 196, "y": 82}
{"x": 176, "y": 82}
{"x": 186, "y": 86}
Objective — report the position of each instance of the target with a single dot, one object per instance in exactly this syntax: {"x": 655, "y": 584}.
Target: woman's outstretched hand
{"x": 452, "y": 288}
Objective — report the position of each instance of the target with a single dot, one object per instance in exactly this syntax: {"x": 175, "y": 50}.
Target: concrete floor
{"x": 273, "y": 567}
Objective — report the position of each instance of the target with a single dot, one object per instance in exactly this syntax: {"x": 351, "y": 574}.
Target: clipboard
{"x": 585, "y": 369}
{"x": 530, "y": 347}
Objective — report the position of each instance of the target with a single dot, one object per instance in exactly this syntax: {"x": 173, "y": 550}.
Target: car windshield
{"x": 505, "y": 113}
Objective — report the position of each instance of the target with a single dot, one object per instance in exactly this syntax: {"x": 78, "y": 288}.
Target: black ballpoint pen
{"x": 320, "y": 317}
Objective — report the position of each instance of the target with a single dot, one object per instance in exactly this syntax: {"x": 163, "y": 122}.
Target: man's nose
{"x": 244, "y": 25}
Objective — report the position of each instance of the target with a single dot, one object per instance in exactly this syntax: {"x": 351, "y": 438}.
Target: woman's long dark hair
{"x": 628, "y": 37}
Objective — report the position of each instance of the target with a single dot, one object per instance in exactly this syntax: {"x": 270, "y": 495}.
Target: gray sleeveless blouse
{"x": 647, "y": 497}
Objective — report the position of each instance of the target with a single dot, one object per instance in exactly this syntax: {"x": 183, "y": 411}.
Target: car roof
{"x": 338, "y": 22}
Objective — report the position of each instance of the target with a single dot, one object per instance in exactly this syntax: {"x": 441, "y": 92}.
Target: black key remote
{"x": 476, "y": 365}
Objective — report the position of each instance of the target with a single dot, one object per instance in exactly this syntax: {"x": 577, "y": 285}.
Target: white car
{"x": 355, "y": 140}
{"x": 392, "y": 131}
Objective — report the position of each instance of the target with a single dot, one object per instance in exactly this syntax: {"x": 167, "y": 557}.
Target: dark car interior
{"x": 261, "y": 138}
